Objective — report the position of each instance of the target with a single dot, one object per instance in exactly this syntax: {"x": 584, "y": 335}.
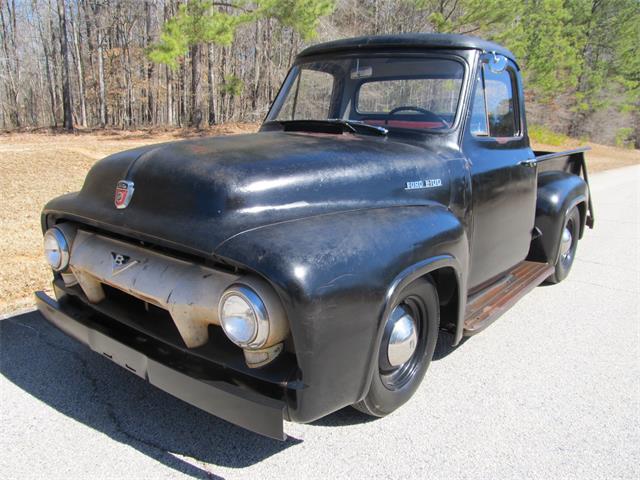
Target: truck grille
{"x": 188, "y": 292}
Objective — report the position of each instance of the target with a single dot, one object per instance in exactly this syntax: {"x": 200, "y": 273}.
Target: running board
{"x": 486, "y": 306}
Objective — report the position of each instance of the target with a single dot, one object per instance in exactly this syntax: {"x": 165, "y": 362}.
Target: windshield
{"x": 394, "y": 92}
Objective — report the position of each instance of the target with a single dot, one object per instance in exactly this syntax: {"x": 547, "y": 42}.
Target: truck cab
{"x": 469, "y": 103}
{"x": 390, "y": 195}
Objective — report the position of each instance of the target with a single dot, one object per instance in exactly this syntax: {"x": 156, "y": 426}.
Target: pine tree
{"x": 199, "y": 22}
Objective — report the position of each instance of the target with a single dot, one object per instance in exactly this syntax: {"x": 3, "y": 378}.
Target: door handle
{"x": 530, "y": 162}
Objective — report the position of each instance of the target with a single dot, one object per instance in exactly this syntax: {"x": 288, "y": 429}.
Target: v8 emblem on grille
{"x": 120, "y": 262}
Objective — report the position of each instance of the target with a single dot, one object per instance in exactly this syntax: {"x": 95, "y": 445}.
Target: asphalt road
{"x": 551, "y": 390}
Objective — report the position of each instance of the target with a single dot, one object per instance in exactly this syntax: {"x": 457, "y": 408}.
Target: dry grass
{"x": 36, "y": 167}
{"x": 39, "y": 166}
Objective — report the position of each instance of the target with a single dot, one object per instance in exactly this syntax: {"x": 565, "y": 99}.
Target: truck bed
{"x": 570, "y": 161}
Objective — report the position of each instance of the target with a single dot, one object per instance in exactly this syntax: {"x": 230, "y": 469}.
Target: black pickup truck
{"x": 391, "y": 194}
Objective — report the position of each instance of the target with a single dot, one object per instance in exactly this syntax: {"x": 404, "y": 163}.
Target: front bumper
{"x": 195, "y": 383}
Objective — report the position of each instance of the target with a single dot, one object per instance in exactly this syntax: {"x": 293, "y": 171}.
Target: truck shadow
{"x": 444, "y": 345}
{"x": 76, "y": 382}
{"x": 351, "y": 416}
{"x": 83, "y": 386}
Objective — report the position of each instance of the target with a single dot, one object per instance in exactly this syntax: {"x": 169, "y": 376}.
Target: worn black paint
{"x": 326, "y": 218}
{"x": 503, "y": 198}
{"x": 406, "y": 42}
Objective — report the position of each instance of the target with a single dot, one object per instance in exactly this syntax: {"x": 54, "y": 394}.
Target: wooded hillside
{"x": 131, "y": 64}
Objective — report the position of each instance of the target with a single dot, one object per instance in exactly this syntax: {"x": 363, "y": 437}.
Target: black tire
{"x": 565, "y": 259}
{"x": 391, "y": 389}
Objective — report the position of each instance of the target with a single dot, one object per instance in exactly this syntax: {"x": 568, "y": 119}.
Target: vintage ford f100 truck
{"x": 391, "y": 194}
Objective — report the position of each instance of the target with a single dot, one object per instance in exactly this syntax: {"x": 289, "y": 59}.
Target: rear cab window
{"x": 434, "y": 99}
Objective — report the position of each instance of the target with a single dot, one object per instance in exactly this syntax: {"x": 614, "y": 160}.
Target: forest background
{"x": 131, "y": 64}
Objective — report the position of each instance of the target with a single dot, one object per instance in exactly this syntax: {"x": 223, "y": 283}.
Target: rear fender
{"x": 558, "y": 193}
{"x": 337, "y": 275}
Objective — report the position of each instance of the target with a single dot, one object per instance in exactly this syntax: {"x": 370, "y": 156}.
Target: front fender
{"x": 335, "y": 275}
{"x": 558, "y": 192}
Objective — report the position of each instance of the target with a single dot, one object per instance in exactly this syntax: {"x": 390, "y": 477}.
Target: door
{"x": 503, "y": 182}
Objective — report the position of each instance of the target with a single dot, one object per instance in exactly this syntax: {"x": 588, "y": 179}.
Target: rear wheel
{"x": 405, "y": 350}
{"x": 568, "y": 246}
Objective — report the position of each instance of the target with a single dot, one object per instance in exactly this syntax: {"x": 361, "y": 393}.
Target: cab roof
{"x": 407, "y": 40}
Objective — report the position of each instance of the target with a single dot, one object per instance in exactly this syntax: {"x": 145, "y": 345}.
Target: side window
{"x": 496, "y": 91}
{"x": 312, "y": 99}
{"x": 479, "y": 125}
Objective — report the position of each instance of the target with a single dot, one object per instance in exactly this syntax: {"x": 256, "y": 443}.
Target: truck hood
{"x": 196, "y": 194}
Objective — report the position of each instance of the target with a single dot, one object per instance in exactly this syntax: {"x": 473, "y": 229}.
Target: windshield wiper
{"x": 353, "y": 126}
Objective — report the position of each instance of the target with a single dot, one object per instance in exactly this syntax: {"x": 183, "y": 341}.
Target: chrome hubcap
{"x": 403, "y": 344}
{"x": 403, "y": 339}
{"x": 565, "y": 243}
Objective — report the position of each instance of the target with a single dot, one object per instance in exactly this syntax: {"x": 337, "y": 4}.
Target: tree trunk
{"x": 223, "y": 116}
{"x": 151, "y": 114}
{"x": 76, "y": 44}
{"x": 64, "y": 47}
{"x": 183, "y": 84}
{"x": 197, "y": 117}
{"x": 635, "y": 118}
{"x": 211, "y": 85}
{"x": 101, "y": 85}
{"x": 48, "y": 67}
{"x": 12, "y": 61}
{"x": 257, "y": 57}
{"x": 102, "y": 100}
{"x": 55, "y": 67}
{"x": 130, "y": 98}
{"x": 51, "y": 87}
{"x": 170, "y": 107}
{"x": 86, "y": 14}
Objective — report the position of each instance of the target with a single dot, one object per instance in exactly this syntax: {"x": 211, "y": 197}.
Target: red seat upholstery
{"x": 404, "y": 123}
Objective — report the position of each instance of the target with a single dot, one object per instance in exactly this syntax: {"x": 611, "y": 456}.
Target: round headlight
{"x": 244, "y": 317}
{"x": 56, "y": 249}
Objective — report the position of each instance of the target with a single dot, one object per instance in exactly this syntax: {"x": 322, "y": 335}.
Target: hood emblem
{"x": 121, "y": 262}
{"x": 124, "y": 192}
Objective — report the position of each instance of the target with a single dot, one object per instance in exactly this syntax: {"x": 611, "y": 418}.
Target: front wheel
{"x": 568, "y": 246}
{"x": 405, "y": 350}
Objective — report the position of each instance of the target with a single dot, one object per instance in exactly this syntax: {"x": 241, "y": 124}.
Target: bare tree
{"x": 78, "y": 62}
{"x": 11, "y": 59}
{"x": 197, "y": 117}
{"x": 151, "y": 97}
{"x": 211, "y": 84}
{"x": 66, "y": 74}
{"x": 48, "y": 62}
{"x": 58, "y": 57}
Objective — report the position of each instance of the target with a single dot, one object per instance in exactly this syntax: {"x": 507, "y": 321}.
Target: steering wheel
{"x": 430, "y": 115}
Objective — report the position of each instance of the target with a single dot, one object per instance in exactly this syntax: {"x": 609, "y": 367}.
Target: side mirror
{"x": 497, "y": 63}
